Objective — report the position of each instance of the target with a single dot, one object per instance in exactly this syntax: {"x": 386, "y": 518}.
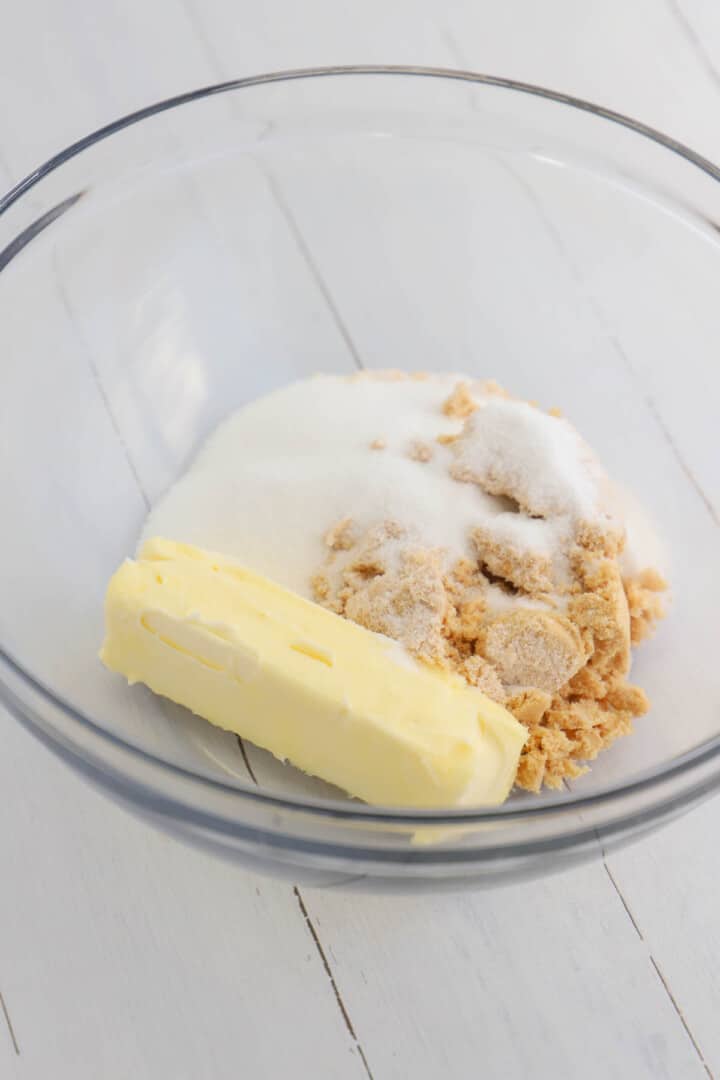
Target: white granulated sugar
{"x": 279, "y": 472}
{"x": 547, "y": 539}
{"x": 523, "y": 533}
{"x": 537, "y": 459}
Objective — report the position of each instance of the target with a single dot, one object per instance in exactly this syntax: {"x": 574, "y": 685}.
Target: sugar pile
{"x": 278, "y": 473}
{"x": 478, "y": 531}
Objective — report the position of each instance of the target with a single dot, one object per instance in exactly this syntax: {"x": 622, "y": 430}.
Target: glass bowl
{"x": 187, "y": 258}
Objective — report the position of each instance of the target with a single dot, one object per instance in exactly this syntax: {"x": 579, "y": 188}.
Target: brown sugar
{"x": 339, "y": 537}
{"x": 407, "y": 603}
{"x": 646, "y": 603}
{"x": 420, "y": 451}
{"x": 532, "y": 648}
{"x": 553, "y": 647}
{"x": 461, "y": 403}
{"x": 563, "y": 675}
{"x": 524, "y": 570}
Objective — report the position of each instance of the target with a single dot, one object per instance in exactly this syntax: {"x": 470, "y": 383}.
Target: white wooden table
{"x": 123, "y": 954}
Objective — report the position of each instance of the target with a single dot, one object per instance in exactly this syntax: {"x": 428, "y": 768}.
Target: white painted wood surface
{"x": 123, "y": 953}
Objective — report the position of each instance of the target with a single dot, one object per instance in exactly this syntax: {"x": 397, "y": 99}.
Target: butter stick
{"x": 333, "y": 698}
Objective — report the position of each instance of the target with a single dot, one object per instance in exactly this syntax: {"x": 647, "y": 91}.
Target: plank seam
{"x": 328, "y": 971}
{"x": 8, "y": 1021}
{"x": 656, "y": 966}
{"x": 314, "y": 269}
{"x": 67, "y": 307}
{"x": 679, "y": 1012}
{"x": 694, "y": 41}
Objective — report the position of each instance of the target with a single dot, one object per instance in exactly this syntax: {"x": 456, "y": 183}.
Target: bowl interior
{"x": 222, "y": 249}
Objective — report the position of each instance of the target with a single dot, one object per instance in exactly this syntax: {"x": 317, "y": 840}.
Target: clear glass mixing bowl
{"x": 187, "y": 258}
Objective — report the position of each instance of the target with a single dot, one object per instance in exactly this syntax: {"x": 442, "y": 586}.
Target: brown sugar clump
{"x": 547, "y": 758}
{"x": 493, "y": 389}
{"x": 407, "y": 603}
{"x": 601, "y": 614}
{"x": 467, "y": 618}
{"x": 421, "y": 451}
{"x": 480, "y": 673}
{"x": 461, "y": 403}
{"x": 529, "y": 706}
{"x": 532, "y": 648}
{"x": 320, "y": 586}
{"x": 340, "y": 536}
{"x": 646, "y": 603}
{"x": 573, "y": 731}
{"x": 524, "y": 570}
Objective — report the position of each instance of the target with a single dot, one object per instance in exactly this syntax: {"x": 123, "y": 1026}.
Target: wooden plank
{"x": 668, "y": 881}
{"x": 38, "y": 972}
{"x": 110, "y": 1031}
{"x": 124, "y": 953}
{"x": 405, "y": 32}
{"x": 638, "y": 59}
{"x": 671, "y": 884}
{"x": 547, "y": 979}
{"x": 65, "y": 71}
{"x": 9, "y": 1046}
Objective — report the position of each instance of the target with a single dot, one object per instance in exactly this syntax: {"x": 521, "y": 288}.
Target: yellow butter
{"x": 336, "y": 700}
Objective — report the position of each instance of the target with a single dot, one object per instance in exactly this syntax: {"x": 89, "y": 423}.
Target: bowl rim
{"x": 685, "y": 764}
